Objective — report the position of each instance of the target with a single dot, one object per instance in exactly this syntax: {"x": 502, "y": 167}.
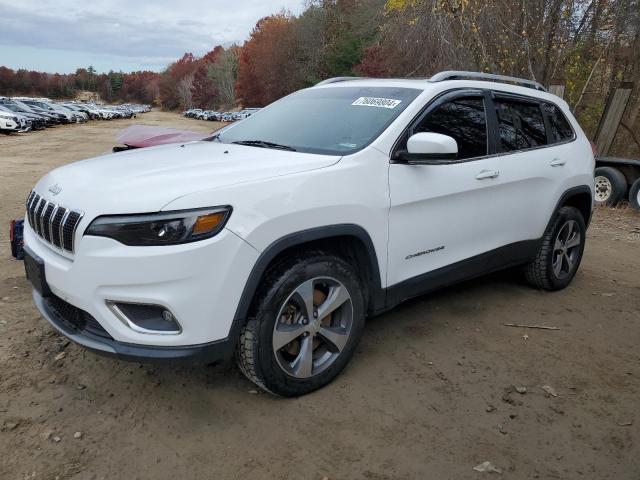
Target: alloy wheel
{"x": 566, "y": 249}
{"x": 313, "y": 327}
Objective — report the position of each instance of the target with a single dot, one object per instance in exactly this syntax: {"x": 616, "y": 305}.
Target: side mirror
{"x": 428, "y": 148}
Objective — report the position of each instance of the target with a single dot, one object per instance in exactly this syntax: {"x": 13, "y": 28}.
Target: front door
{"x": 443, "y": 214}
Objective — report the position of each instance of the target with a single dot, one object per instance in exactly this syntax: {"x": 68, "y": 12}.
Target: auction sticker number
{"x": 377, "y": 102}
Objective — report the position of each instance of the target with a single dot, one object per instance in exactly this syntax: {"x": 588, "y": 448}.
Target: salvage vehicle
{"x": 247, "y": 112}
{"x": 37, "y": 122}
{"x": 277, "y": 237}
{"x": 617, "y": 179}
{"x": 12, "y": 122}
{"x": 21, "y": 108}
{"x": 79, "y": 117}
{"x": 192, "y": 112}
{"x": 84, "y": 113}
{"x": 53, "y": 117}
{"x": 65, "y": 115}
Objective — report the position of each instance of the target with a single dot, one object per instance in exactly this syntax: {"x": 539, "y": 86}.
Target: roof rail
{"x": 490, "y": 77}
{"x": 338, "y": 79}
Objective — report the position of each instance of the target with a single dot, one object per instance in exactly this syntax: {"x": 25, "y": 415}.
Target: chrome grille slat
{"x": 31, "y": 208}
{"x": 53, "y": 223}
{"x": 56, "y": 226}
{"x": 38, "y": 217}
{"x": 46, "y": 221}
{"x": 64, "y": 219}
{"x": 50, "y": 222}
{"x": 69, "y": 228}
{"x": 32, "y": 211}
{"x": 29, "y": 198}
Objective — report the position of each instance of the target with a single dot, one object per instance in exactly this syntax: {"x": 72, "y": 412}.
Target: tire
{"x": 558, "y": 247}
{"x": 634, "y": 195}
{"x": 610, "y": 186}
{"x": 278, "y": 313}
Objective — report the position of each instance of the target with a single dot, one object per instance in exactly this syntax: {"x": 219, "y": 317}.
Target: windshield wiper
{"x": 264, "y": 144}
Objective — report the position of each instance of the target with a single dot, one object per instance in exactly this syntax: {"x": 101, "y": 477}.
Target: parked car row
{"x": 214, "y": 116}
{"x": 21, "y": 114}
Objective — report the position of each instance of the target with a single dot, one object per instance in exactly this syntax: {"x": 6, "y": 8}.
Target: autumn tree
{"x": 203, "y": 90}
{"x": 171, "y": 96}
{"x": 223, "y": 73}
{"x": 268, "y": 61}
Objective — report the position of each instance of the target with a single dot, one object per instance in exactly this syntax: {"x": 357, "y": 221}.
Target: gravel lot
{"x": 432, "y": 392}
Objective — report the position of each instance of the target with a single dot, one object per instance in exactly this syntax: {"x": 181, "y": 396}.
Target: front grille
{"x": 75, "y": 318}
{"x": 53, "y": 223}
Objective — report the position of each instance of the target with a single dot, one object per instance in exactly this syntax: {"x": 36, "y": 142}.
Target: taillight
{"x": 594, "y": 148}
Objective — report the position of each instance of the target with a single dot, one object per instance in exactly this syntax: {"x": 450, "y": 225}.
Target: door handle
{"x": 558, "y": 162}
{"x": 487, "y": 174}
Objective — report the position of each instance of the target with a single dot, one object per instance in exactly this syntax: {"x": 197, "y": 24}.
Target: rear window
{"x": 560, "y": 128}
{"x": 520, "y": 124}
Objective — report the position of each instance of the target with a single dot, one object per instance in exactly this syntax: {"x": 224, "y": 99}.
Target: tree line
{"x": 587, "y": 45}
{"x": 141, "y": 87}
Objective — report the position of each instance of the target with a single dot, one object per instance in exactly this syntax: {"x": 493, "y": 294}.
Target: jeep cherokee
{"x": 277, "y": 237}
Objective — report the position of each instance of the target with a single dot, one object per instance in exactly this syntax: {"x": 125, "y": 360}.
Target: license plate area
{"x": 34, "y": 268}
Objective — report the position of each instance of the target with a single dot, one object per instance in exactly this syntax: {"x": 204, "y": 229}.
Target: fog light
{"x": 146, "y": 318}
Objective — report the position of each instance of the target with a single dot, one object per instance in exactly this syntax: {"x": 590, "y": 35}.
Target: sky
{"x": 59, "y": 36}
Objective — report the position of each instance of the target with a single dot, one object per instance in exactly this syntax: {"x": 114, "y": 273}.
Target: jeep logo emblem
{"x": 55, "y": 189}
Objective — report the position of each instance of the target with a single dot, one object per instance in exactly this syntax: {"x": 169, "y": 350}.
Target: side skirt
{"x": 511, "y": 255}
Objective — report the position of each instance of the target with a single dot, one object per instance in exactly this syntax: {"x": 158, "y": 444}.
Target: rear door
{"x": 531, "y": 172}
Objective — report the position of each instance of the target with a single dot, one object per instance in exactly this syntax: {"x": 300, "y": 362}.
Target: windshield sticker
{"x": 377, "y": 102}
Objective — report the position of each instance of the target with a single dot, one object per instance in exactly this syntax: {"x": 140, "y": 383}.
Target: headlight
{"x": 166, "y": 228}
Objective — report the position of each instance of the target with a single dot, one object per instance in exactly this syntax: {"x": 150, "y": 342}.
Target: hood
{"x": 145, "y": 180}
{"x": 12, "y": 115}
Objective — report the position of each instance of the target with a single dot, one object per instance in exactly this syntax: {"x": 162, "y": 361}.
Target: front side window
{"x": 464, "y": 120}
{"x": 520, "y": 125}
{"x": 333, "y": 121}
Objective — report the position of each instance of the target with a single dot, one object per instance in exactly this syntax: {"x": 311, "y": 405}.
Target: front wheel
{"x": 560, "y": 251}
{"x": 304, "y": 324}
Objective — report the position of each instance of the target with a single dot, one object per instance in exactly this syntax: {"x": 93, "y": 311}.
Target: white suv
{"x": 276, "y": 238}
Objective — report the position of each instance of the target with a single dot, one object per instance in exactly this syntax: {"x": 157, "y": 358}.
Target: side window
{"x": 463, "y": 119}
{"x": 520, "y": 125}
{"x": 561, "y": 130}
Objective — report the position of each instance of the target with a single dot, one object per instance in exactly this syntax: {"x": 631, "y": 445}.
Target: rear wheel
{"x": 634, "y": 195}
{"x": 610, "y": 186}
{"x": 560, "y": 251}
{"x": 305, "y": 324}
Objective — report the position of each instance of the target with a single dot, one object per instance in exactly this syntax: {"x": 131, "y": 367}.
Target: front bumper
{"x": 9, "y": 126}
{"x": 99, "y": 342}
{"x": 200, "y": 283}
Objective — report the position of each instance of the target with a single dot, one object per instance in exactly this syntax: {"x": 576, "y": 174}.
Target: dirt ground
{"x": 430, "y": 394}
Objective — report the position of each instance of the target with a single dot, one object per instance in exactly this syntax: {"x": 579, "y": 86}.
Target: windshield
{"x": 334, "y": 121}
{"x": 33, "y": 103}
{"x": 10, "y": 107}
